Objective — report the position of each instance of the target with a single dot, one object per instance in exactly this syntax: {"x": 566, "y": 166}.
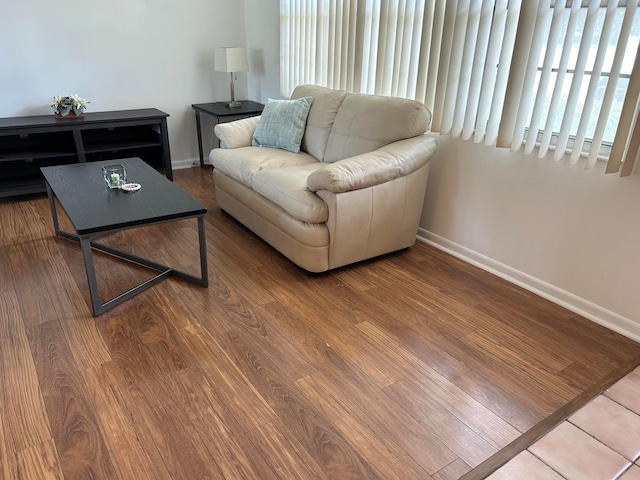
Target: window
{"x": 513, "y": 73}
{"x": 602, "y": 66}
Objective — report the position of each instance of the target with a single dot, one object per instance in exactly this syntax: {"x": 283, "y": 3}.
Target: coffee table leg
{"x": 85, "y": 244}
{"x": 54, "y": 213}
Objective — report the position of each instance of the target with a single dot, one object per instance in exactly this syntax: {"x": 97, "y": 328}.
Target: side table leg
{"x": 199, "y": 129}
{"x": 202, "y": 238}
{"x": 217, "y": 140}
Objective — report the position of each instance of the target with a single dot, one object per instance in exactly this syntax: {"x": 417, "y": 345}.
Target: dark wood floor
{"x": 413, "y": 366}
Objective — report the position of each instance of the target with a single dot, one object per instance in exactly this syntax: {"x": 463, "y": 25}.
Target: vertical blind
{"x": 535, "y": 74}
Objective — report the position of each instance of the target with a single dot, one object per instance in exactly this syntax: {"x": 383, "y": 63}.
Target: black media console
{"x": 28, "y": 143}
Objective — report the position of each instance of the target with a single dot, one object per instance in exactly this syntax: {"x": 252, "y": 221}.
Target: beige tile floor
{"x": 601, "y": 441}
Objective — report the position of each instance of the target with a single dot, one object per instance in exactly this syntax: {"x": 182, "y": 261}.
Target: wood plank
{"x": 453, "y": 471}
{"x": 567, "y": 342}
{"x": 40, "y": 461}
{"x": 221, "y": 306}
{"x": 426, "y": 328}
{"x": 228, "y": 446}
{"x": 472, "y": 285}
{"x": 8, "y": 466}
{"x": 75, "y": 316}
{"x": 453, "y": 432}
{"x": 319, "y": 437}
{"x": 286, "y": 457}
{"x": 149, "y": 392}
{"x": 358, "y": 277}
{"x": 6, "y": 276}
{"x": 141, "y": 342}
{"x": 223, "y": 383}
{"x": 131, "y": 457}
{"x": 509, "y": 354}
{"x": 239, "y": 279}
{"x": 40, "y": 222}
{"x": 22, "y": 408}
{"x": 167, "y": 383}
{"x": 389, "y": 459}
{"x": 30, "y": 279}
{"x": 342, "y": 348}
{"x": 355, "y": 382}
{"x": 253, "y": 323}
{"x": 478, "y": 417}
{"x": 412, "y": 316}
{"x": 335, "y": 331}
{"x": 579, "y": 376}
{"x": 512, "y": 410}
{"x": 512, "y": 379}
{"x": 501, "y": 335}
{"x": 74, "y": 427}
{"x": 12, "y": 221}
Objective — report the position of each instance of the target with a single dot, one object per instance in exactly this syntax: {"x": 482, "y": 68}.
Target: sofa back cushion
{"x": 325, "y": 106}
{"x": 367, "y": 122}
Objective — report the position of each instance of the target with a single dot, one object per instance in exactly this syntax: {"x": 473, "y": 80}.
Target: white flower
{"x": 55, "y": 101}
{"x": 77, "y": 101}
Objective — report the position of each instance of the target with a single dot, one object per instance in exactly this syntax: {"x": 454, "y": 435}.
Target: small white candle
{"x": 115, "y": 179}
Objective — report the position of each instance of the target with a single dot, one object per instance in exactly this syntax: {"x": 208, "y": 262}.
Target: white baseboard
{"x": 587, "y": 309}
{"x": 180, "y": 164}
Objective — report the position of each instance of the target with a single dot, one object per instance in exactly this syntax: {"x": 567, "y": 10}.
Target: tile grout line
{"x": 539, "y": 430}
{"x": 593, "y": 436}
{"x": 631, "y": 462}
{"x": 542, "y": 461}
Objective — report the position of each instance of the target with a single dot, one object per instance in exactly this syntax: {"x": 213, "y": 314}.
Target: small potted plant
{"x": 68, "y": 106}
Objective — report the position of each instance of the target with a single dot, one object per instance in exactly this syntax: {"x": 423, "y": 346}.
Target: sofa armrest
{"x": 236, "y": 134}
{"x": 392, "y": 161}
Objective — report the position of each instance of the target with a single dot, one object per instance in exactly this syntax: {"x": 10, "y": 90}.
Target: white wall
{"x": 119, "y": 54}
{"x": 542, "y": 224}
{"x": 539, "y": 223}
{"x": 263, "y": 48}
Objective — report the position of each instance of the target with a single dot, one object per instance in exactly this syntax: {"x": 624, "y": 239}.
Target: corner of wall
{"x": 571, "y": 302}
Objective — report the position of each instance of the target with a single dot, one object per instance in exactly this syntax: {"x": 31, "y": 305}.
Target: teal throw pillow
{"x": 282, "y": 124}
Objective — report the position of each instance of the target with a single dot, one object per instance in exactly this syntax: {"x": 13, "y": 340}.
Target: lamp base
{"x": 234, "y": 104}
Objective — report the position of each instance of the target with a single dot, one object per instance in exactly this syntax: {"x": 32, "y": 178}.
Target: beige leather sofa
{"x": 354, "y": 191}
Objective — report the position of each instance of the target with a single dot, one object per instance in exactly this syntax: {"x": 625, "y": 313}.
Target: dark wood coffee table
{"x": 95, "y": 210}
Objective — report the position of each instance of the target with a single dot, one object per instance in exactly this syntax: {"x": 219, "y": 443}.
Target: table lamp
{"x": 231, "y": 60}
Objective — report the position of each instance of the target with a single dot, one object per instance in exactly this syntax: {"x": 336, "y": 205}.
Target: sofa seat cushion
{"x": 287, "y": 188}
{"x": 242, "y": 163}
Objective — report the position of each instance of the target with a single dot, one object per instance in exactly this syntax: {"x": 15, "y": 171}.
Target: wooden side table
{"x": 222, "y": 114}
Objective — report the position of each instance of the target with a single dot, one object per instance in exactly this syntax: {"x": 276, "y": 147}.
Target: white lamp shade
{"x": 230, "y": 59}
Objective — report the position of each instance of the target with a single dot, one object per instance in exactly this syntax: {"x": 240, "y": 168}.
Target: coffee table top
{"x": 92, "y": 207}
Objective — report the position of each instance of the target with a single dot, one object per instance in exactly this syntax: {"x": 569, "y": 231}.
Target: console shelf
{"x": 28, "y": 143}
